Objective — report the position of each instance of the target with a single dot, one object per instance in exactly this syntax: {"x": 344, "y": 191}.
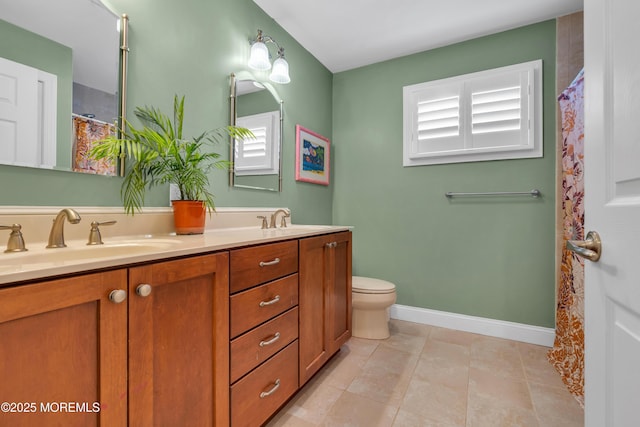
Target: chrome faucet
{"x": 283, "y": 222}
{"x": 56, "y": 236}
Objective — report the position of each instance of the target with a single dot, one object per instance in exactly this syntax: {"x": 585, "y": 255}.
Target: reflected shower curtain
{"x": 567, "y": 355}
{"x": 86, "y": 132}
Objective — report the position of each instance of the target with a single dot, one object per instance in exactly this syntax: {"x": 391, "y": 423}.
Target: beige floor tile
{"x": 498, "y": 356}
{"x": 435, "y": 402}
{"x": 360, "y": 346}
{"x": 484, "y": 411}
{"x": 536, "y": 366}
{"x": 497, "y": 388}
{"x": 408, "y": 328}
{"x": 352, "y": 410}
{"x": 407, "y": 419}
{"x": 342, "y": 369}
{"x": 285, "y": 419}
{"x": 450, "y": 373}
{"x": 381, "y": 385}
{"x": 452, "y": 336}
{"x": 556, "y": 406}
{"x": 405, "y": 342}
{"x": 441, "y": 350}
{"x": 313, "y": 402}
{"x": 457, "y": 380}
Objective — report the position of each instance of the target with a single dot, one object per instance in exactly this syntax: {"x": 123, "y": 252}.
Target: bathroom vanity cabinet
{"x": 160, "y": 354}
{"x": 215, "y": 339}
{"x": 325, "y": 299}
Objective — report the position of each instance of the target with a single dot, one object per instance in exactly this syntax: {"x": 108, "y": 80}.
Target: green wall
{"x": 489, "y": 257}
{"x": 191, "y": 47}
{"x": 492, "y": 258}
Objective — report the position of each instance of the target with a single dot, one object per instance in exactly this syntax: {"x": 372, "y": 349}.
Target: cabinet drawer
{"x": 252, "y": 266}
{"x": 255, "y": 306}
{"x": 258, "y": 395}
{"x": 256, "y": 346}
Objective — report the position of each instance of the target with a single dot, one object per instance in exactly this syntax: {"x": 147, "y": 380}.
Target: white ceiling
{"x": 346, "y": 34}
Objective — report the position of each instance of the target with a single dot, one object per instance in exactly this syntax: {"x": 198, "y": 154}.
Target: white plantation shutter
{"x": 489, "y": 115}
{"x": 439, "y": 118}
{"x": 259, "y": 155}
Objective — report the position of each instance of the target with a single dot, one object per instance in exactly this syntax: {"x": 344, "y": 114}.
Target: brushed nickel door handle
{"x": 270, "y": 302}
{"x": 275, "y": 338}
{"x": 268, "y": 263}
{"x": 276, "y": 385}
{"x": 589, "y": 248}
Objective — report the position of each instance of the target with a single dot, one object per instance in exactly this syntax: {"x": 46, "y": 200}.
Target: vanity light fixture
{"x": 259, "y": 59}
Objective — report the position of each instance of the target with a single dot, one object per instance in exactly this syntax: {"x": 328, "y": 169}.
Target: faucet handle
{"x": 94, "y": 235}
{"x": 283, "y": 220}
{"x": 16, "y": 241}
{"x": 264, "y": 221}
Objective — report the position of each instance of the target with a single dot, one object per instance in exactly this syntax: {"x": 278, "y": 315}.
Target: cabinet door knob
{"x": 144, "y": 290}
{"x": 276, "y": 386}
{"x": 117, "y": 296}
{"x": 332, "y": 244}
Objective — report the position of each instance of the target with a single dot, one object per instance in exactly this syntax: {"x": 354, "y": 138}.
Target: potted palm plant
{"x": 160, "y": 155}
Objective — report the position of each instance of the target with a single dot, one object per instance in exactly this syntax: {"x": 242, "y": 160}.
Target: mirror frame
{"x": 124, "y": 57}
{"x": 233, "y": 121}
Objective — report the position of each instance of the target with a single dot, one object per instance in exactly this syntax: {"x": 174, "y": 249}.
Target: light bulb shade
{"x": 259, "y": 58}
{"x": 280, "y": 72}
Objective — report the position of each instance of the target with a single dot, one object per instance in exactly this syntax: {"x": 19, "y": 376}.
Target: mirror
{"x": 61, "y": 87}
{"x": 257, "y": 162}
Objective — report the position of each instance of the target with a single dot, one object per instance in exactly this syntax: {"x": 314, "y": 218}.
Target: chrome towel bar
{"x": 532, "y": 193}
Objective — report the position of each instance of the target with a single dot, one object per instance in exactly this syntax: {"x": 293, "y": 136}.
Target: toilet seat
{"x": 368, "y": 285}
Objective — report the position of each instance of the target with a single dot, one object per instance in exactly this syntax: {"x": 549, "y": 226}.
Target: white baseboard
{"x": 477, "y": 325}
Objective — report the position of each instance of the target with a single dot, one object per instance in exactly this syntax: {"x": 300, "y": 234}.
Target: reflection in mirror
{"x": 256, "y": 162}
{"x": 60, "y": 88}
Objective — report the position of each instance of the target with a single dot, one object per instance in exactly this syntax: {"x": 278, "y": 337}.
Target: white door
{"x": 18, "y": 112}
{"x": 612, "y": 208}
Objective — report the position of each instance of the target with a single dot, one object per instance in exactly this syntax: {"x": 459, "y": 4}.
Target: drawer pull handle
{"x": 268, "y": 263}
{"x": 276, "y": 386}
{"x": 332, "y": 245}
{"x": 273, "y": 301}
{"x": 275, "y": 338}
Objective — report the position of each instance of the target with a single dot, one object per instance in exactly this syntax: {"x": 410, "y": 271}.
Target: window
{"x": 259, "y": 155}
{"x": 489, "y": 115}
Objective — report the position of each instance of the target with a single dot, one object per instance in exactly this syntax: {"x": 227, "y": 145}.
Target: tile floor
{"x": 429, "y": 376}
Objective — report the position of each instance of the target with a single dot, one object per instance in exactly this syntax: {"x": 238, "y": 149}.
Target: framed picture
{"x": 312, "y": 157}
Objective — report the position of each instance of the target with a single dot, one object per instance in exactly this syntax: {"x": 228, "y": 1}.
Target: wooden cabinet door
{"x": 179, "y": 342}
{"x": 324, "y": 299}
{"x": 63, "y": 352}
{"x": 339, "y": 291}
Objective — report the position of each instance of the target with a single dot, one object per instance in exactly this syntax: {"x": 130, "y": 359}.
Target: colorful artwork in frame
{"x": 312, "y": 156}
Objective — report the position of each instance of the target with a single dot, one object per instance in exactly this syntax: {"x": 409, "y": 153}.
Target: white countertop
{"x": 77, "y": 257}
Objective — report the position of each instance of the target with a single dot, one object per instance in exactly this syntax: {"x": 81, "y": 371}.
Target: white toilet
{"x": 371, "y": 299}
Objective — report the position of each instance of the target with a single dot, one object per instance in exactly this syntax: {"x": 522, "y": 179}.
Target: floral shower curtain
{"x": 567, "y": 355}
{"x": 86, "y": 132}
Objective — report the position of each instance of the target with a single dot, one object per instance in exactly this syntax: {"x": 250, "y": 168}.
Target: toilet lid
{"x": 368, "y": 285}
